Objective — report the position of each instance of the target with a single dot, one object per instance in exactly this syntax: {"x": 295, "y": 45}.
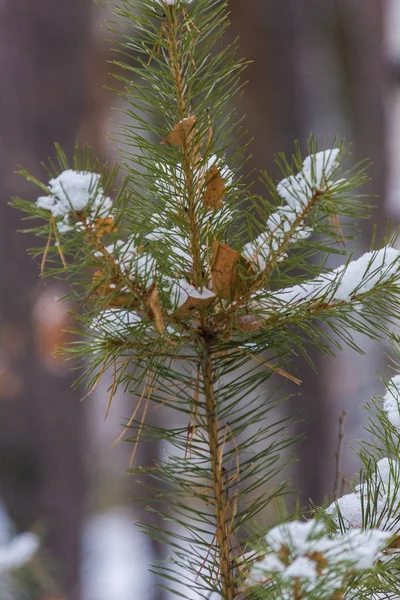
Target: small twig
{"x": 96, "y": 382}
{"x": 142, "y": 420}
{"x": 113, "y": 390}
{"x": 269, "y": 365}
{"x": 338, "y": 478}
{"x": 191, "y": 430}
{"x": 133, "y": 416}
{"x": 58, "y": 242}
{"x": 46, "y": 250}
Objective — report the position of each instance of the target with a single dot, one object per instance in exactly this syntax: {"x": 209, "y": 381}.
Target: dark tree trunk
{"x": 270, "y": 101}
{"x": 42, "y": 73}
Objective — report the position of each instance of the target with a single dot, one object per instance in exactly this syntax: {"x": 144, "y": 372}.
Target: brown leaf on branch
{"x": 249, "y": 323}
{"x": 182, "y": 133}
{"x": 224, "y": 269}
{"x": 230, "y": 271}
{"x": 108, "y": 289}
{"x": 395, "y": 543}
{"x": 153, "y": 301}
{"x": 195, "y": 300}
{"x": 215, "y": 191}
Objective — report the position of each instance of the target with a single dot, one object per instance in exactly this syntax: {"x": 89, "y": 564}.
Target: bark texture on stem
{"x": 190, "y": 156}
{"x": 220, "y": 500}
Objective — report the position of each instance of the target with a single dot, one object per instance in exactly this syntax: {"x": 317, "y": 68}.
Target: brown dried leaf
{"x": 395, "y": 543}
{"x": 215, "y": 191}
{"x": 249, "y": 323}
{"x": 224, "y": 271}
{"x": 320, "y": 559}
{"x": 121, "y": 301}
{"x": 197, "y": 300}
{"x": 153, "y": 301}
{"x": 105, "y": 289}
{"x": 183, "y": 132}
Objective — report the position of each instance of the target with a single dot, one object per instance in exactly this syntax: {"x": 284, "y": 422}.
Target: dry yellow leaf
{"x": 395, "y": 543}
{"x": 224, "y": 270}
{"x": 231, "y": 273}
{"x": 195, "y": 300}
{"x": 153, "y": 301}
{"x": 182, "y": 133}
{"x": 249, "y": 323}
{"x": 105, "y": 289}
{"x": 215, "y": 191}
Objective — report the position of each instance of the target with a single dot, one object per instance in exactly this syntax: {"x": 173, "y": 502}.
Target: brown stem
{"x": 222, "y": 504}
{"x": 190, "y": 155}
{"x": 221, "y": 501}
{"x": 315, "y": 198}
{"x": 262, "y": 280}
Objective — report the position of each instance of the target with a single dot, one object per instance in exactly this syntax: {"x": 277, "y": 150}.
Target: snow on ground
{"x": 115, "y": 558}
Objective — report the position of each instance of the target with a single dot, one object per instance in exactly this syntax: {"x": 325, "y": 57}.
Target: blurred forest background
{"x": 330, "y": 67}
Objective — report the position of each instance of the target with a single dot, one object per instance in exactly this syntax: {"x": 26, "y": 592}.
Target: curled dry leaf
{"x": 215, "y": 191}
{"x": 249, "y": 323}
{"x": 229, "y": 271}
{"x": 395, "y": 543}
{"x": 195, "y": 299}
{"x": 153, "y": 301}
{"x": 182, "y": 133}
{"x": 108, "y": 289}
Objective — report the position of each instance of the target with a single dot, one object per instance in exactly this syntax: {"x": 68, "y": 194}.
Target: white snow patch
{"x": 391, "y": 401}
{"x": 18, "y": 552}
{"x": 350, "y": 508}
{"x": 182, "y": 291}
{"x": 75, "y": 191}
{"x": 116, "y": 323}
{"x": 301, "y": 567}
{"x": 286, "y": 222}
{"x": 344, "y": 283}
{"x": 294, "y": 546}
{"x": 176, "y": 244}
{"x": 135, "y": 264}
{"x": 116, "y": 558}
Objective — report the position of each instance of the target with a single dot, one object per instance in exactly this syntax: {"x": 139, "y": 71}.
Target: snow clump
{"x": 303, "y": 554}
{"x": 135, "y": 264}
{"x": 74, "y": 192}
{"x": 116, "y": 323}
{"x": 18, "y": 551}
{"x": 383, "y": 487}
{"x": 391, "y": 401}
{"x": 285, "y": 224}
{"x": 342, "y": 284}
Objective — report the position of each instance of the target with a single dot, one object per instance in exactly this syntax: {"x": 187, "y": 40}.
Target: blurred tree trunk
{"x": 42, "y": 70}
{"x": 267, "y": 31}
